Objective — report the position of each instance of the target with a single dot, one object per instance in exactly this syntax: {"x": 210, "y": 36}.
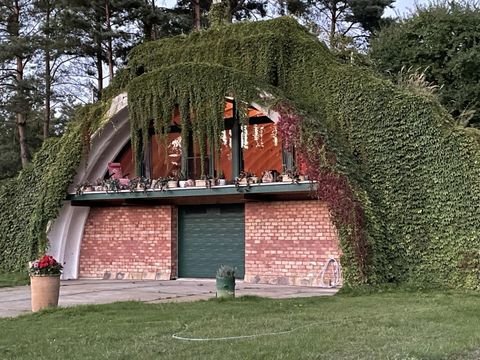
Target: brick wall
{"x": 129, "y": 243}
{"x": 288, "y": 242}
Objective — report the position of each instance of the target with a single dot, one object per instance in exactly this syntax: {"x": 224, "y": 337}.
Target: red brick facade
{"x": 288, "y": 242}
{"x": 129, "y": 243}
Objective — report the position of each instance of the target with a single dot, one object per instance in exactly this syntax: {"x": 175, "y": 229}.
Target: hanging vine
{"x": 400, "y": 178}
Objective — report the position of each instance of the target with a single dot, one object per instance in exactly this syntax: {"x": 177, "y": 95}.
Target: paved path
{"x": 16, "y": 300}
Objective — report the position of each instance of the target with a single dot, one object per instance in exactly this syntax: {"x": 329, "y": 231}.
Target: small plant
{"x": 112, "y": 185}
{"x": 225, "y": 271}
{"x": 143, "y": 183}
{"x": 161, "y": 184}
{"x": 100, "y": 185}
{"x": 293, "y": 175}
{"x": 46, "y": 265}
{"x": 221, "y": 175}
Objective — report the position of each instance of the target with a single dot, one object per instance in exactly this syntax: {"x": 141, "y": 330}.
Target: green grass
{"x": 13, "y": 279}
{"x": 391, "y": 325}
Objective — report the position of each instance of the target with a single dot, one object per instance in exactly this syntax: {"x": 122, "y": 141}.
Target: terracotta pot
{"x": 45, "y": 290}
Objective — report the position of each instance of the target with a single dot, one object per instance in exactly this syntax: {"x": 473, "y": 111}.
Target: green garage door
{"x": 210, "y": 236}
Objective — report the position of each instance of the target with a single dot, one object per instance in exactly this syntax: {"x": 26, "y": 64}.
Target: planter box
{"x": 45, "y": 291}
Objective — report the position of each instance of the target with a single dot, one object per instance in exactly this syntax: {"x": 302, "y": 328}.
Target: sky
{"x": 403, "y": 7}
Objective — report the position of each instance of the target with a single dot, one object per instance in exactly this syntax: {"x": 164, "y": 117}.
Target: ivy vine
{"x": 401, "y": 179}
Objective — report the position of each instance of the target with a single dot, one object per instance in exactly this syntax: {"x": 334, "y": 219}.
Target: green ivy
{"x": 415, "y": 174}
{"x": 411, "y": 176}
{"x": 31, "y": 200}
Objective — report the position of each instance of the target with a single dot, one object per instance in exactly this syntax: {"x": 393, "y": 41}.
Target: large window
{"x": 254, "y": 148}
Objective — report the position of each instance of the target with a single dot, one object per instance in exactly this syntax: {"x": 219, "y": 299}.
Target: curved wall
{"x": 67, "y": 231}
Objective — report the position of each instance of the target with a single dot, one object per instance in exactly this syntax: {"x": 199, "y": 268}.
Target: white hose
{"x": 336, "y": 274}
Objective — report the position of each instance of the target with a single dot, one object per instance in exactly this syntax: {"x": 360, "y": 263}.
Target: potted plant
{"x": 85, "y": 187}
{"x": 139, "y": 183}
{"x": 202, "y": 182}
{"x": 291, "y": 176}
{"x": 251, "y": 178}
{"x": 161, "y": 184}
{"x": 99, "y": 185}
{"x": 112, "y": 185}
{"x": 182, "y": 180}
{"x": 172, "y": 181}
{"x": 225, "y": 282}
{"x": 44, "y": 282}
{"x": 221, "y": 179}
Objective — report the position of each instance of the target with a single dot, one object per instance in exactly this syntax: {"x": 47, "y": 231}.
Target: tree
{"x": 234, "y": 10}
{"x": 442, "y": 41}
{"x": 334, "y": 20}
{"x": 16, "y": 51}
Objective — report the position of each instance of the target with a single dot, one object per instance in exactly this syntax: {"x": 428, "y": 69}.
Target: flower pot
{"x": 45, "y": 290}
{"x": 183, "y": 183}
{"x": 222, "y": 182}
{"x": 200, "y": 183}
{"x": 172, "y": 184}
{"x": 225, "y": 287}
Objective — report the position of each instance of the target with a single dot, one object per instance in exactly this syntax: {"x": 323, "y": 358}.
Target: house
{"x": 271, "y": 232}
{"x": 392, "y": 192}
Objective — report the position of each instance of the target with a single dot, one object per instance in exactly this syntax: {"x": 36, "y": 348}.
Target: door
{"x": 209, "y": 236}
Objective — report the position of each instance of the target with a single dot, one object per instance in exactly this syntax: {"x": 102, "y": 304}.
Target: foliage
{"x": 225, "y": 271}
{"x": 46, "y": 265}
{"x": 14, "y": 279}
{"x": 442, "y": 41}
{"x": 31, "y": 200}
{"x": 384, "y": 157}
{"x": 218, "y": 14}
{"x": 337, "y": 20}
{"x": 198, "y": 89}
{"x": 400, "y": 178}
{"x": 395, "y": 325}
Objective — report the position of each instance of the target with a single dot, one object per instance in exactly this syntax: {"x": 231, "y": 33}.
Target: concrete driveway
{"x": 16, "y": 300}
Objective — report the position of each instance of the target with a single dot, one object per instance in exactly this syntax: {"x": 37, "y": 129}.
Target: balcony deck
{"x": 276, "y": 191}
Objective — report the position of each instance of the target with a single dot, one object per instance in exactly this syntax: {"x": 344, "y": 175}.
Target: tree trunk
{"x": 109, "y": 40}
{"x": 48, "y": 96}
{"x": 48, "y": 79}
{"x": 21, "y": 120}
{"x": 196, "y": 15}
{"x": 333, "y": 26}
{"x": 99, "y": 65}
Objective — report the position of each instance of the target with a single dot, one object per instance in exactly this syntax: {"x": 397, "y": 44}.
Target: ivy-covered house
{"x": 392, "y": 191}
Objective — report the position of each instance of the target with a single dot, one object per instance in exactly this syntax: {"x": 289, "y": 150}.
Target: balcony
{"x": 276, "y": 191}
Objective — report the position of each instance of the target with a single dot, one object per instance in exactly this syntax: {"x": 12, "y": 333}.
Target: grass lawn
{"x": 13, "y": 279}
{"x": 392, "y": 325}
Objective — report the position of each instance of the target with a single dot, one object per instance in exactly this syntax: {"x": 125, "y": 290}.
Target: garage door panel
{"x": 210, "y": 236}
